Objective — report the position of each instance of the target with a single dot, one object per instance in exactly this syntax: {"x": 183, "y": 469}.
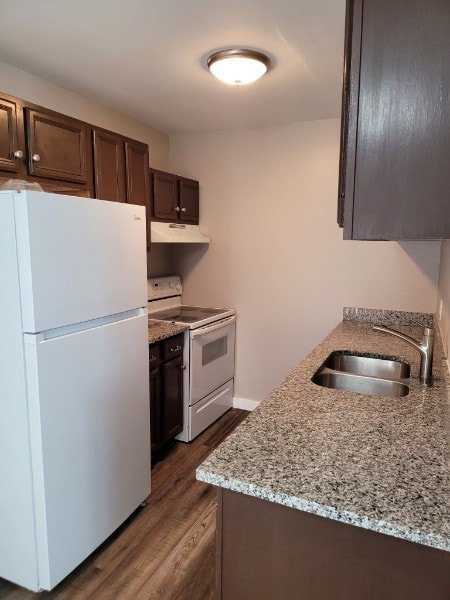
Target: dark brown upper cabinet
{"x": 9, "y": 148}
{"x": 188, "y": 191}
{"x": 58, "y": 146}
{"x": 164, "y": 196}
{"x": 174, "y": 198}
{"x": 109, "y": 166}
{"x": 394, "y": 179}
{"x": 41, "y": 145}
{"x": 137, "y": 175}
{"x": 121, "y": 170}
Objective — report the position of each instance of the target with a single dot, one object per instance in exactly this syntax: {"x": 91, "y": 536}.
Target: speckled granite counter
{"x": 378, "y": 463}
{"x": 161, "y": 330}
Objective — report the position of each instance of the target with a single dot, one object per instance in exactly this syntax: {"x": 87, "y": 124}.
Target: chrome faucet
{"x": 425, "y": 347}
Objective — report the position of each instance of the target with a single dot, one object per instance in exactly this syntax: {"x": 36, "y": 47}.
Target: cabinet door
{"x": 155, "y": 397}
{"x": 8, "y": 136}
{"x": 138, "y": 178}
{"x": 189, "y": 200}
{"x": 137, "y": 174}
{"x": 57, "y": 146}
{"x": 155, "y": 410}
{"x": 109, "y": 166}
{"x": 349, "y": 107}
{"x": 397, "y": 143}
{"x": 165, "y": 196}
{"x": 172, "y": 398}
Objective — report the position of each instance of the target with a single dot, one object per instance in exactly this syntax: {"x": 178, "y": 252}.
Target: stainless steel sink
{"x": 367, "y": 365}
{"x": 371, "y": 386}
{"x": 364, "y": 374}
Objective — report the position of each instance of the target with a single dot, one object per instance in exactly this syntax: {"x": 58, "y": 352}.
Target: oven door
{"x": 211, "y": 357}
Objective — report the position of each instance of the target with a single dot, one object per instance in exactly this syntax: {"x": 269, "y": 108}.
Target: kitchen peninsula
{"x": 331, "y": 494}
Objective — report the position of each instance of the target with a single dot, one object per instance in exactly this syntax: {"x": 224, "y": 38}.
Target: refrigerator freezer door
{"x": 89, "y": 431}
{"x": 79, "y": 258}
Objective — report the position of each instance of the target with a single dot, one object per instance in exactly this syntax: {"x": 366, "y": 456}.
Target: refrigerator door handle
{"x": 77, "y": 327}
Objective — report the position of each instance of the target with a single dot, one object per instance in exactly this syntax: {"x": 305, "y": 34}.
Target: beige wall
{"x": 443, "y": 311}
{"x": 268, "y": 200}
{"x": 21, "y": 84}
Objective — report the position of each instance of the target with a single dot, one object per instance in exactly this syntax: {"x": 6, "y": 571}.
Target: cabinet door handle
{"x": 182, "y": 367}
{"x": 18, "y": 154}
{"x": 175, "y": 349}
{"x": 177, "y": 208}
{"x": 183, "y": 209}
{"x": 36, "y": 157}
{"x": 152, "y": 359}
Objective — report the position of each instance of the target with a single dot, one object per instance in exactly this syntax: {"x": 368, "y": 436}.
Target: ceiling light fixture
{"x": 238, "y": 66}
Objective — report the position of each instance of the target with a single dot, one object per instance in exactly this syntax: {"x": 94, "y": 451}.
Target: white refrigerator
{"x": 74, "y": 390}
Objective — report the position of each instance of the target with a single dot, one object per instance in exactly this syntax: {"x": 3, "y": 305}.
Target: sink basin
{"x": 369, "y": 366}
{"x": 371, "y": 386}
{"x": 364, "y": 374}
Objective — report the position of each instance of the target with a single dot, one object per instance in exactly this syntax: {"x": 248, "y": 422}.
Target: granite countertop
{"x": 161, "y": 330}
{"x": 377, "y": 463}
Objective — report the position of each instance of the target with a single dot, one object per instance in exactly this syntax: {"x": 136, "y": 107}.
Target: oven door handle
{"x": 212, "y": 327}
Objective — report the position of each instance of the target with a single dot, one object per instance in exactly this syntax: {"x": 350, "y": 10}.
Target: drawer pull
{"x": 175, "y": 349}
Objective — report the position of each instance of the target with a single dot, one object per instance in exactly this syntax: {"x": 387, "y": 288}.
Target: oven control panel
{"x": 164, "y": 287}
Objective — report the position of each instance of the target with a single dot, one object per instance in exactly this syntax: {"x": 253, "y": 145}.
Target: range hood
{"x": 175, "y": 233}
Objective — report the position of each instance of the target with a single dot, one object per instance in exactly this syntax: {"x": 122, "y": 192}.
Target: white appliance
{"x": 208, "y": 353}
{"x": 177, "y": 233}
{"x": 74, "y": 390}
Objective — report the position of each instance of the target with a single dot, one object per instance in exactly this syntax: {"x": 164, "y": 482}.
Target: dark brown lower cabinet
{"x": 155, "y": 399}
{"x": 166, "y": 391}
{"x": 267, "y": 551}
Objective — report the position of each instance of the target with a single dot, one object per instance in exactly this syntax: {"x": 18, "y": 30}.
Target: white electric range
{"x": 208, "y": 353}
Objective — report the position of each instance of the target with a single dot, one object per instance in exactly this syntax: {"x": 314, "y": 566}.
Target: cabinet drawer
{"x": 153, "y": 356}
{"x": 173, "y": 347}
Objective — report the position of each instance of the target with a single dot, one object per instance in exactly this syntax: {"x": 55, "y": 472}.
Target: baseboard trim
{"x": 245, "y": 404}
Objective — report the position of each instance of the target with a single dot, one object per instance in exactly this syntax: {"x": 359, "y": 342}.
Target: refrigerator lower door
{"x": 89, "y": 431}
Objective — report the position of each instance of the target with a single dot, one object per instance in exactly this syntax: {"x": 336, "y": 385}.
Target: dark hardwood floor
{"x": 165, "y": 550}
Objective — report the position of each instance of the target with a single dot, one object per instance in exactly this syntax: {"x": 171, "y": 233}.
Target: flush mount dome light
{"x": 238, "y": 66}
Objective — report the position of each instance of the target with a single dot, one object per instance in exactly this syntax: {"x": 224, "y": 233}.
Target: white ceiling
{"x": 147, "y": 58}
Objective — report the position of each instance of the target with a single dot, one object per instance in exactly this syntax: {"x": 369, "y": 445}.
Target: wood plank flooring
{"x": 165, "y": 550}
